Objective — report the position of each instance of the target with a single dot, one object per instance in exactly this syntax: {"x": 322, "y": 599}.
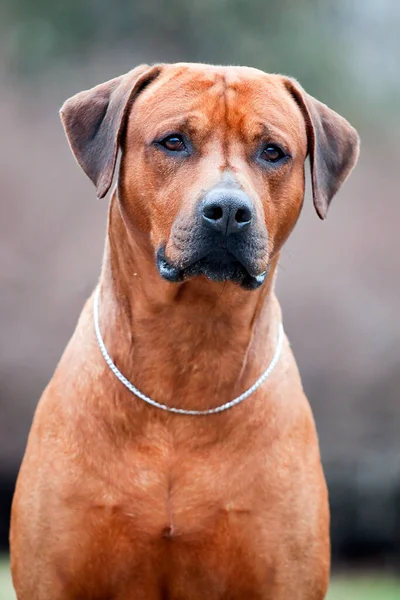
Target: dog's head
{"x": 212, "y": 165}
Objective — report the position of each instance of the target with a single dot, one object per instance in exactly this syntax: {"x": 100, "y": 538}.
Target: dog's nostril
{"x": 213, "y": 212}
{"x": 227, "y": 211}
{"x": 243, "y": 215}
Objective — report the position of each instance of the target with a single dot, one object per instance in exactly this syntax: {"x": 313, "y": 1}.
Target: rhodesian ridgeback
{"x": 174, "y": 454}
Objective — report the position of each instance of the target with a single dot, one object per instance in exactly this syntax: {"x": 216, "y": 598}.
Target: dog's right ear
{"x": 94, "y": 120}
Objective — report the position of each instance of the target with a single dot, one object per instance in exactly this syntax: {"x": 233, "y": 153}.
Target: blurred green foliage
{"x": 291, "y": 37}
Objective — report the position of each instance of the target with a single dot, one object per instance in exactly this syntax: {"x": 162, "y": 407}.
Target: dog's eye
{"x": 272, "y": 153}
{"x": 173, "y": 143}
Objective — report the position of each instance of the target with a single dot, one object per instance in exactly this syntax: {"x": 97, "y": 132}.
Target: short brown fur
{"x": 117, "y": 500}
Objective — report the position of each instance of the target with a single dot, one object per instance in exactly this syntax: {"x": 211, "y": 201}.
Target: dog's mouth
{"x": 217, "y": 265}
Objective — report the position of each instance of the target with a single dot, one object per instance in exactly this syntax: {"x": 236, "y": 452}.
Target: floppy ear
{"x": 94, "y": 120}
{"x": 333, "y": 146}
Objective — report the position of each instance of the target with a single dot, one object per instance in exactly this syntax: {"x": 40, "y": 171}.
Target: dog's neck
{"x": 190, "y": 345}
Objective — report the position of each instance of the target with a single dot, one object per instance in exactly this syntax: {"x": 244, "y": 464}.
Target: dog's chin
{"x": 218, "y": 265}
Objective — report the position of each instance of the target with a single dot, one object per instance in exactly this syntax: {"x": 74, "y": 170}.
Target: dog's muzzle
{"x": 222, "y": 242}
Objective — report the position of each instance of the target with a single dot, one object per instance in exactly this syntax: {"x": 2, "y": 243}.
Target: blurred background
{"x": 339, "y": 280}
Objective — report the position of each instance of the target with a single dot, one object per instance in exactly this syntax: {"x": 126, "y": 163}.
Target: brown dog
{"x": 119, "y": 500}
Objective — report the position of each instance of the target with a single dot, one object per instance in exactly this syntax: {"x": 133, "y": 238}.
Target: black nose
{"x": 227, "y": 211}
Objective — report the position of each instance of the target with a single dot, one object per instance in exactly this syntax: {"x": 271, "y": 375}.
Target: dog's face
{"x": 222, "y": 150}
{"x": 212, "y": 164}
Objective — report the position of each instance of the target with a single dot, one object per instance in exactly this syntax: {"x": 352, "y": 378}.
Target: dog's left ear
{"x": 94, "y": 120}
{"x": 333, "y": 146}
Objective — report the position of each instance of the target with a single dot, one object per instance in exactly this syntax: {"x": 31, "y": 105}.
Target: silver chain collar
{"x": 181, "y": 411}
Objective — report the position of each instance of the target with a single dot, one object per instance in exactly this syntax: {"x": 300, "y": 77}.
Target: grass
{"x": 364, "y": 588}
{"x": 342, "y": 587}
{"x": 6, "y": 588}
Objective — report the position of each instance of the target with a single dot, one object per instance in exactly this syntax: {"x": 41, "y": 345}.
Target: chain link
{"x": 172, "y": 409}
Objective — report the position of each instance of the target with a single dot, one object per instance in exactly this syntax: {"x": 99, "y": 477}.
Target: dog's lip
{"x": 175, "y": 273}
{"x": 262, "y": 276}
{"x": 167, "y": 270}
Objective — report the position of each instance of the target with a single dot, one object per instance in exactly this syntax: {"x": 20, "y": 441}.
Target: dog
{"x": 174, "y": 455}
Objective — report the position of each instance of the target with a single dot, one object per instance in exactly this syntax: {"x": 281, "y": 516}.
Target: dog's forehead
{"x": 209, "y": 94}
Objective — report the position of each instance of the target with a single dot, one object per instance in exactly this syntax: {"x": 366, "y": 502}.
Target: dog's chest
{"x": 150, "y": 524}
{"x": 195, "y": 540}
{"x": 152, "y": 518}
{"x": 174, "y": 500}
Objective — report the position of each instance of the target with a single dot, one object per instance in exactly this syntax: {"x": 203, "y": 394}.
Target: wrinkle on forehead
{"x": 177, "y": 93}
{"x": 234, "y": 99}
